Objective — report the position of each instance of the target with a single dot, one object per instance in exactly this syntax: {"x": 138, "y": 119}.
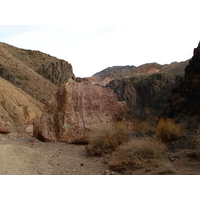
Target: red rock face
{"x": 75, "y": 109}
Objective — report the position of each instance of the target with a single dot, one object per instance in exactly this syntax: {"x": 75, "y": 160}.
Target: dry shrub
{"x": 135, "y": 154}
{"x": 106, "y": 139}
{"x": 144, "y": 127}
{"x": 167, "y": 131}
{"x": 165, "y": 168}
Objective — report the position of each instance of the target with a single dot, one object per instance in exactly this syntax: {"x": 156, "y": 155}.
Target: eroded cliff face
{"x": 37, "y": 73}
{"x": 75, "y": 109}
{"x": 185, "y": 98}
{"x": 144, "y": 93}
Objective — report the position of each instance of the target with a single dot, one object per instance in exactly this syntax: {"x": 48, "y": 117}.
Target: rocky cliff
{"x": 37, "y": 73}
{"x": 185, "y": 97}
{"x": 144, "y": 93}
{"x": 27, "y": 80}
{"x": 55, "y": 70}
{"x": 75, "y": 109}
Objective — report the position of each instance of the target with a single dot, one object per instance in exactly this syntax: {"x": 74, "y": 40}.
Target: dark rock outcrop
{"x": 185, "y": 97}
{"x": 144, "y": 93}
{"x": 6, "y": 74}
{"x": 53, "y": 69}
{"x": 56, "y": 70}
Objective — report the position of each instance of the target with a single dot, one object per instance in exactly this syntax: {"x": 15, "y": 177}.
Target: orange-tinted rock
{"x": 75, "y": 109}
{"x": 3, "y": 128}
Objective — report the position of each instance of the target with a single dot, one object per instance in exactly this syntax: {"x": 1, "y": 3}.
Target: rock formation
{"x": 144, "y": 93}
{"x": 27, "y": 80}
{"x": 17, "y": 108}
{"x": 75, "y": 109}
{"x": 118, "y": 72}
{"x": 3, "y": 127}
{"x": 37, "y": 73}
{"x": 185, "y": 97}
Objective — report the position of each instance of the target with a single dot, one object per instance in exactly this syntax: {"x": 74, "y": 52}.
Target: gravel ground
{"x": 29, "y": 156}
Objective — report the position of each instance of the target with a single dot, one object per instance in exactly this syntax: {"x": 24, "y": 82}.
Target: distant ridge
{"x": 118, "y": 72}
{"x": 115, "y": 68}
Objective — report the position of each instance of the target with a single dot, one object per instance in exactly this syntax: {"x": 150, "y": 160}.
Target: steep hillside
{"x": 27, "y": 80}
{"x": 118, "y": 72}
{"x": 176, "y": 68}
{"x": 17, "y": 108}
{"x": 185, "y": 97}
{"x": 36, "y": 73}
{"x": 144, "y": 93}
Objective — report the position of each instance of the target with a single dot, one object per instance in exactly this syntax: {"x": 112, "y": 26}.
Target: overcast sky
{"x": 94, "y": 35}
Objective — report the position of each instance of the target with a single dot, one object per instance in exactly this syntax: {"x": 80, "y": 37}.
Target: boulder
{"x": 75, "y": 109}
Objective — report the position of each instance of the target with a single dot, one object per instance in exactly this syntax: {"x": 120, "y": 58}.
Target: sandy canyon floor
{"x": 29, "y": 156}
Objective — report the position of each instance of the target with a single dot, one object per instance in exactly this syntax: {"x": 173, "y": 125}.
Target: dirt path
{"x": 32, "y": 157}
{"x": 29, "y": 156}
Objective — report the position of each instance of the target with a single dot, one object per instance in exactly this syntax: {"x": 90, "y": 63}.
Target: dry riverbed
{"x": 33, "y": 157}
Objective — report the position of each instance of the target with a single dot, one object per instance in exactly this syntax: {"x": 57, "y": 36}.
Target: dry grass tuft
{"x": 135, "y": 154}
{"x": 106, "y": 139}
{"x": 144, "y": 127}
{"x": 165, "y": 168}
{"x": 167, "y": 131}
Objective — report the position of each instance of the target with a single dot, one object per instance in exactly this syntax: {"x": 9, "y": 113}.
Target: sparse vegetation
{"x": 167, "y": 131}
{"x": 144, "y": 127}
{"x": 165, "y": 168}
{"x": 136, "y": 154}
{"x": 106, "y": 139}
{"x": 25, "y": 77}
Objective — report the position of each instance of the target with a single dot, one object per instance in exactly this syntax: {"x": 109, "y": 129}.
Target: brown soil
{"x": 29, "y": 156}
